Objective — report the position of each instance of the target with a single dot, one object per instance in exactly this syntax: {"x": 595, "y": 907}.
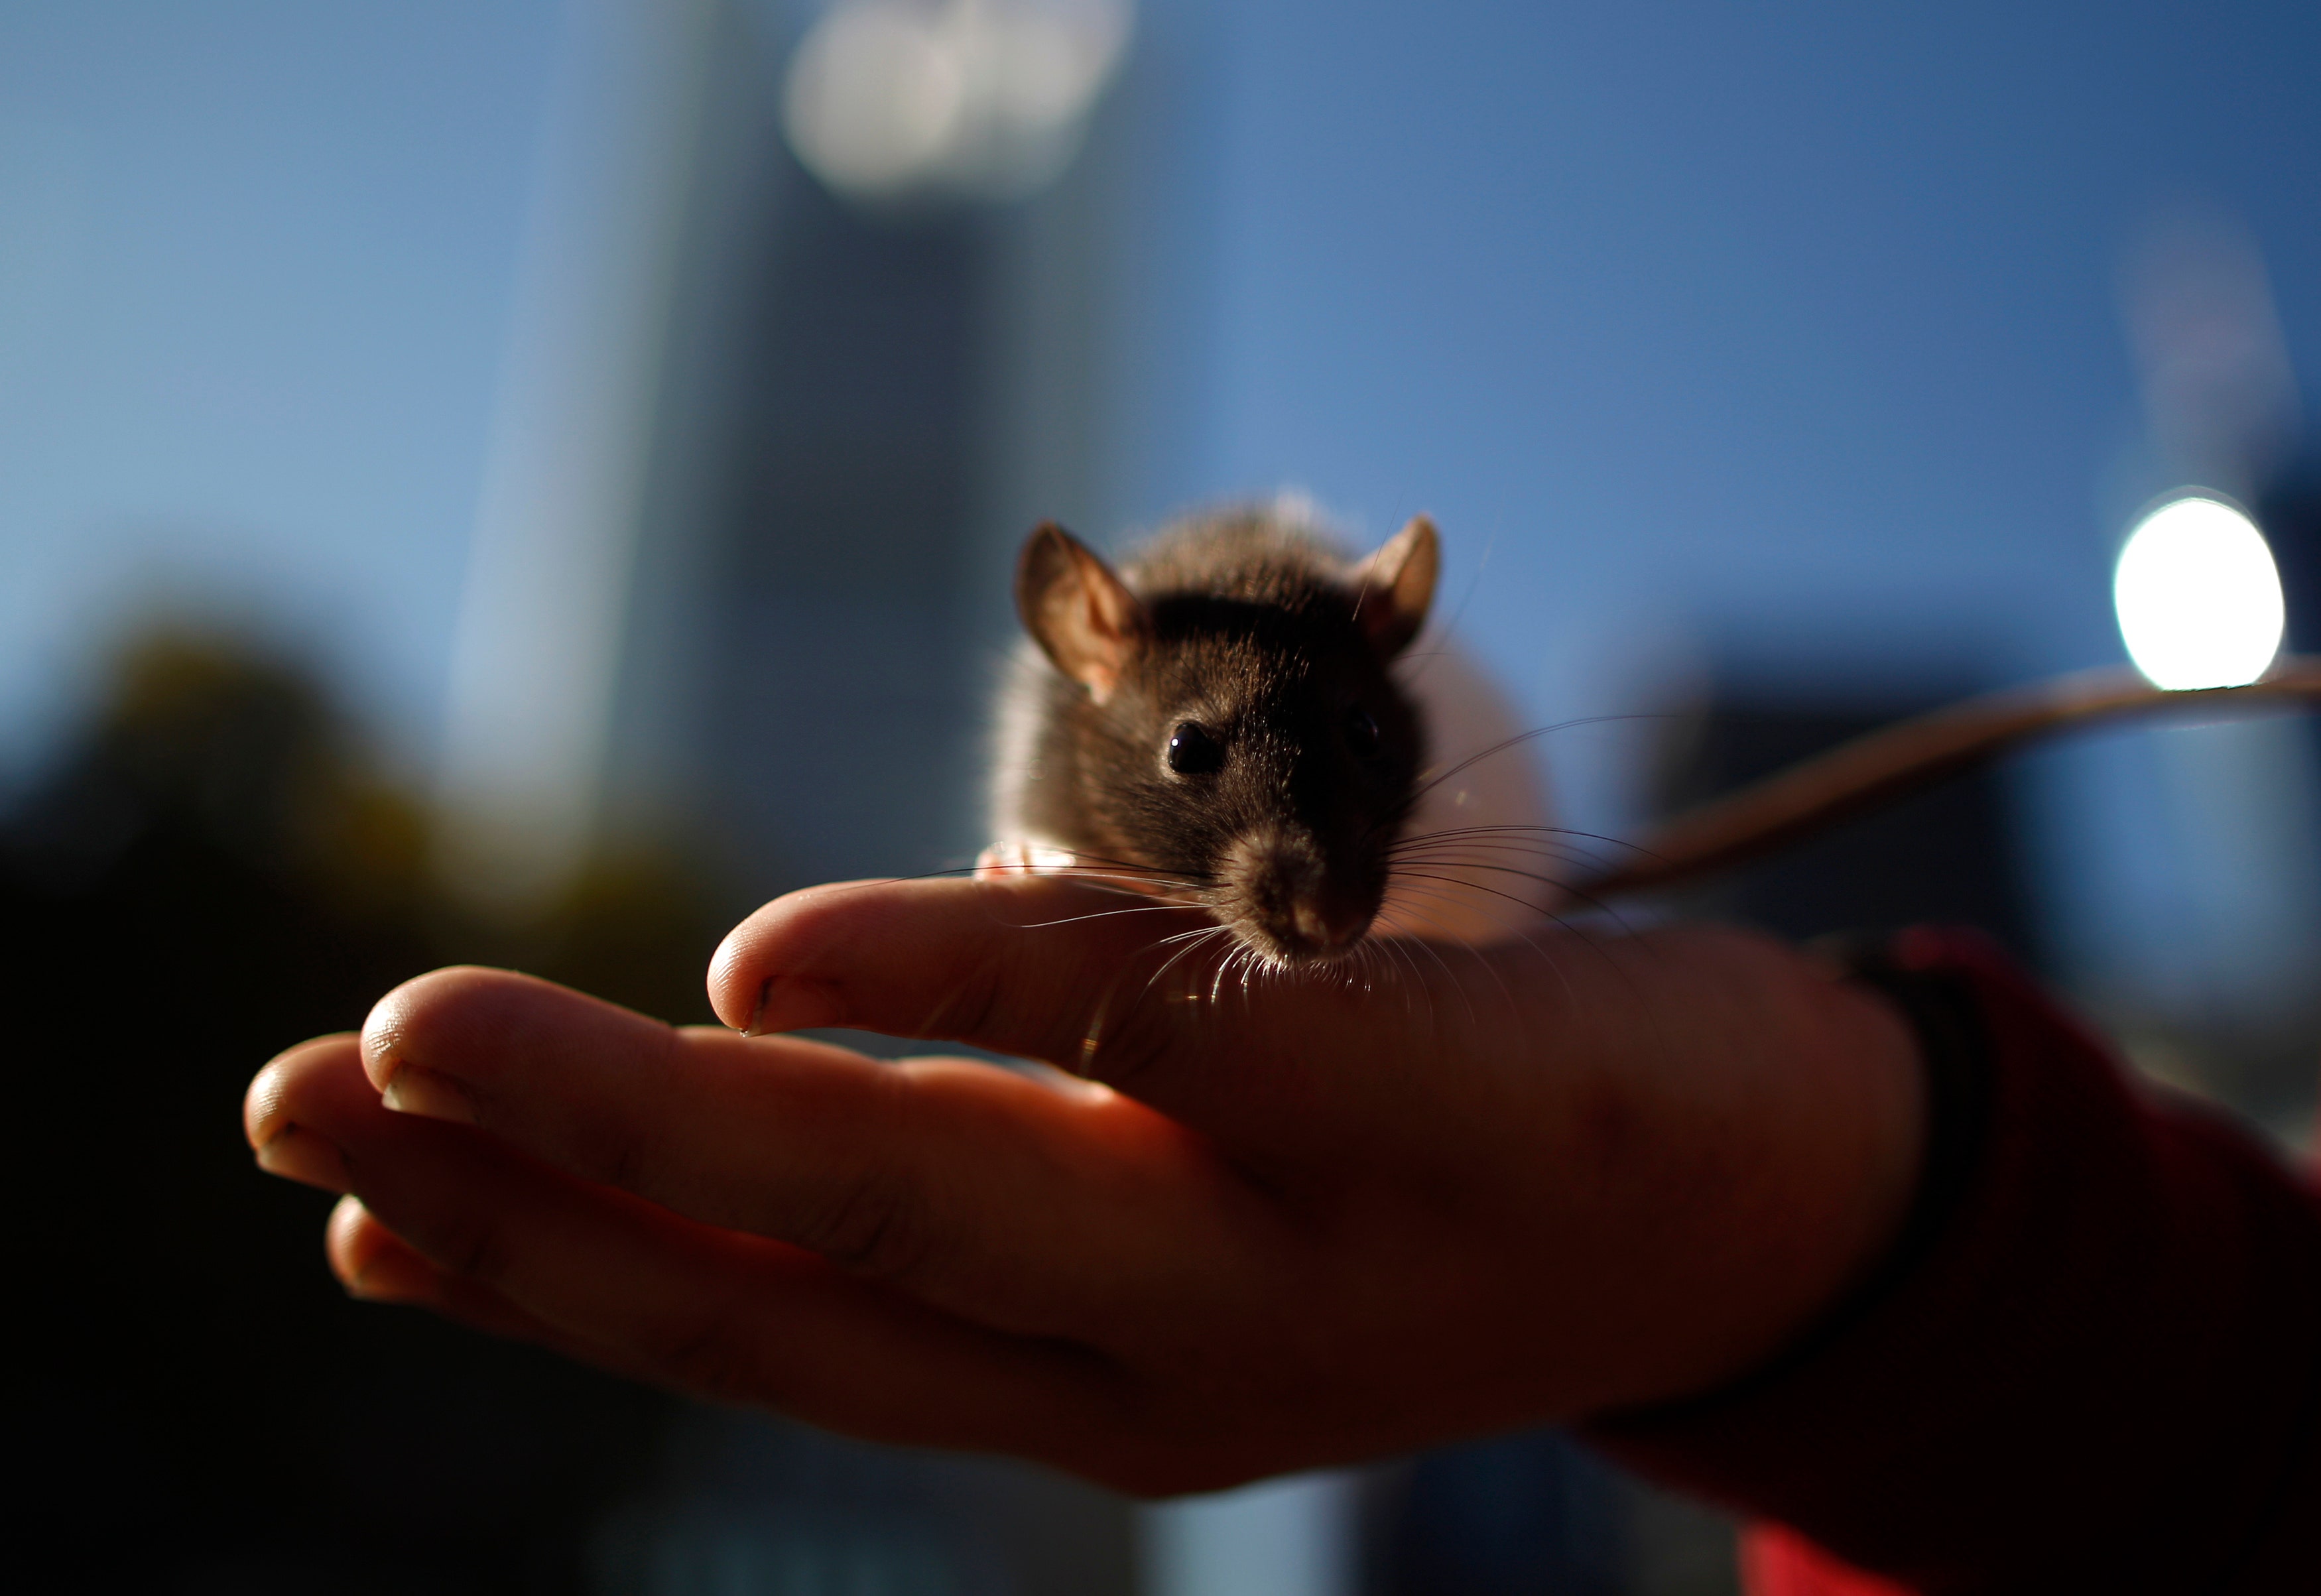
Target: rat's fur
{"x": 1251, "y": 634}
{"x": 1257, "y": 628}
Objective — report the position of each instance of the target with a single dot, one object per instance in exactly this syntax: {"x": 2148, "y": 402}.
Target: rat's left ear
{"x": 1080, "y": 613}
{"x": 1394, "y": 586}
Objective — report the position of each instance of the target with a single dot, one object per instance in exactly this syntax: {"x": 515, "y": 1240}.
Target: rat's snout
{"x": 1283, "y": 897}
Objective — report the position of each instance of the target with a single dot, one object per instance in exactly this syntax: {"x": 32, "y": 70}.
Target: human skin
{"x": 1304, "y": 1223}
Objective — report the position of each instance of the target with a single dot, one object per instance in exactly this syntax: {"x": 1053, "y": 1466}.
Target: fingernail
{"x": 422, "y": 1091}
{"x": 297, "y": 1153}
{"x": 758, "y": 1013}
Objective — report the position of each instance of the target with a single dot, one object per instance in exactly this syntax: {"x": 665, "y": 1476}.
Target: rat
{"x": 1236, "y": 719}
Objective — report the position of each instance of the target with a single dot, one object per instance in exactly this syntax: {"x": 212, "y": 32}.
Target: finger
{"x": 759, "y": 982}
{"x": 369, "y": 1260}
{"x": 283, "y": 1146}
{"x": 1124, "y": 990}
{"x": 376, "y": 1266}
{"x": 1023, "y": 1207}
{"x": 733, "y": 1316}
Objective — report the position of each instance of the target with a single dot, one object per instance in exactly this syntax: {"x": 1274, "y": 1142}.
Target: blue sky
{"x": 1761, "y": 317}
{"x": 1768, "y": 317}
{"x": 256, "y": 262}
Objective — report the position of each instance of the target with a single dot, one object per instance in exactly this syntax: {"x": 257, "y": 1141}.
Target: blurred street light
{"x": 2198, "y": 599}
{"x": 900, "y": 100}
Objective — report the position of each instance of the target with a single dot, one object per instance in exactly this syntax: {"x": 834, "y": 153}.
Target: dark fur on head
{"x": 1260, "y": 653}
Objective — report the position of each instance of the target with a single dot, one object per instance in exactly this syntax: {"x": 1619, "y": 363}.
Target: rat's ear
{"x": 1082, "y": 616}
{"x": 1394, "y": 586}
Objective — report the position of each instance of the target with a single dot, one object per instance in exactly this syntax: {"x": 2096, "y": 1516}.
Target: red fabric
{"x": 2103, "y": 1373}
{"x": 1777, "y": 1561}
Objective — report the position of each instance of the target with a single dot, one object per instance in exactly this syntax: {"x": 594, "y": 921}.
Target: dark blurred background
{"x": 527, "y": 482}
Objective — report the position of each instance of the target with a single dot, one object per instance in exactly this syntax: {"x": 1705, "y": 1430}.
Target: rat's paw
{"x": 1024, "y": 858}
{"x": 1002, "y": 859}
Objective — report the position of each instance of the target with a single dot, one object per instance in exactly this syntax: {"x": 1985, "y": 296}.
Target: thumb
{"x": 1153, "y": 1000}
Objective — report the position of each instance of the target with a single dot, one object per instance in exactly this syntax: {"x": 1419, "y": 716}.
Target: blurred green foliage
{"x": 212, "y": 871}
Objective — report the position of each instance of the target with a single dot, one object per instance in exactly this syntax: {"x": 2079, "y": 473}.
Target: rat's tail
{"x": 1887, "y": 764}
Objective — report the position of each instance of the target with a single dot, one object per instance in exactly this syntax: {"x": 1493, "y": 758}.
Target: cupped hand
{"x": 1278, "y": 1219}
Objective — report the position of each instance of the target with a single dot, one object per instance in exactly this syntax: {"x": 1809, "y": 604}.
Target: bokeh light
{"x": 2198, "y": 598}
{"x": 975, "y": 99}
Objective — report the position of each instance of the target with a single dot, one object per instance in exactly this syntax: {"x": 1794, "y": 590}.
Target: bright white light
{"x": 981, "y": 99}
{"x": 874, "y": 97}
{"x": 2197, "y": 596}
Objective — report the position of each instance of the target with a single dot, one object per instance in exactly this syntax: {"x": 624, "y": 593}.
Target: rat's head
{"x": 1234, "y": 725}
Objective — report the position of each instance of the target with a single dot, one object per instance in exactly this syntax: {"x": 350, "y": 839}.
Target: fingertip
{"x": 261, "y": 1106}
{"x": 371, "y": 1262}
{"x": 264, "y": 1105}
{"x": 348, "y": 1238}
{"x": 1005, "y": 961}
{"x": 394, "y": 1020}
{"x": 732, "y": 994}
{"x": 385, "y": 1027}
{"x": 756, "y": 984}
{"x": 465, "y": 1020}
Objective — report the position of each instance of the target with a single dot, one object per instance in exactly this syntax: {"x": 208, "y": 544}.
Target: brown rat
{"x": 1217, "y": 720}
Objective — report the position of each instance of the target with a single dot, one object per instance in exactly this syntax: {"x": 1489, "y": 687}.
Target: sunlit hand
{"x": 1307, "y": 1219}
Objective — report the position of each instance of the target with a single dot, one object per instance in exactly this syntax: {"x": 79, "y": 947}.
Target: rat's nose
{"x": 1300, "y": 907}
{"x": 1329, "y": 927}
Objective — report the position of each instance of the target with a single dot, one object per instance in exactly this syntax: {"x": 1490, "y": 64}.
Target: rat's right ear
{"x": 1081, "y": 614}
{"x": 1395, "y": 586}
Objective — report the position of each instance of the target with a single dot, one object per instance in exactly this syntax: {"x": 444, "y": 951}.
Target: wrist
{"x": 1820, "y": 1160}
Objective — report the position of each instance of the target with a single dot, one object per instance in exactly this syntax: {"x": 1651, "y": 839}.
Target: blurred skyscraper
{"x": 765, "y": 446}
{"x": 766, "y": 442}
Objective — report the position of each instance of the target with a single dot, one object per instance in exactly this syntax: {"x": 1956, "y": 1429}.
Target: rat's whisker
{"x": 1547, "y": 871}
{"x": 1515, "y": 933}
{"x": 1428, "y": 783}
{"x": 1501, "y": 844}
{"x": 1480, "y": 866}
{"x": 1133, "y": 867}
{"x": 1482, "y": 858}
{"x": 1183, "y": 892}
{"x": 1247, "y": 962}
{"x": 1567, "y": 889}
{"x": 1399, "y": 960}
{"x": 1195, "y": 935}
{"x": 1206, "y": 935}
{"x": 1427, "y": 945}
{"x": 1533, "y": 916}
{"x": 1073, "y": 919}
{"x": 1116, "y": 879}
{"x": 1507, "y": 839}
{"x": 1514, "y": 833}
{"x": 1359, "y": 970}
{"x": 1478, "y": 956}
{"x": 1532, "y": 910}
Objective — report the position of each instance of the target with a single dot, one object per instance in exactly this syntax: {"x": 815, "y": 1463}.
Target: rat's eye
{"x": 1193, "y": 751}
{"x": 1362, "y": 733}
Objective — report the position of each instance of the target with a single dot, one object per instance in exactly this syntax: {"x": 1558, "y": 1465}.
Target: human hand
{"x": 1321, "y": 1218}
